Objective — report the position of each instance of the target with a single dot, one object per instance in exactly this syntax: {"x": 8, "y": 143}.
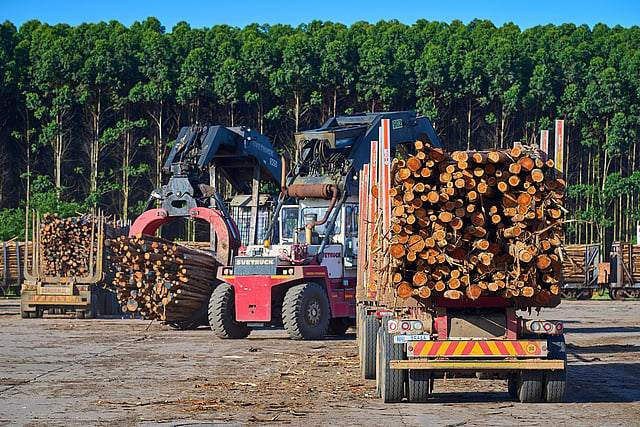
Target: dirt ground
{"x": 61, "y": 371}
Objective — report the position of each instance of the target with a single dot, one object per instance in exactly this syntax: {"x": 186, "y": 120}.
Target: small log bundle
{"x": 160, "y": 279}
{"x": 475, "y": 223}
{"x": 573, "y": 265}
{"x": 65, "y": 243}
{"x": 623, "y": 249}
{"x": 13, "y": 254}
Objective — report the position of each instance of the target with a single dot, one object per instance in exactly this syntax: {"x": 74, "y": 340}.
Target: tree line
{"x": 88, "y": 113}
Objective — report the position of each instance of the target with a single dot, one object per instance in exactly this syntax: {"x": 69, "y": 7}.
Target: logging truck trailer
{"x": 624, "y": 278}
{"x": 405, "y": 350}
{"x": 59, "y": 294}
{"x": 580, "y": 271}
{"x": 416, "y": 321}
{"x": 12, "y": 254}
{"x": 306, "y": 282}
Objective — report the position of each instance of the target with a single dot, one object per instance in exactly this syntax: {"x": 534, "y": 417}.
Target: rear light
{"x": 536, "y": 326}
{"x": 559, "y": 327}
{"x": 392, "y": 326}
{"x": 417, "y": 325}
{"x": 405, "y": 326}
{"x": 382, "y": 313}
{"x": 548, "y": 326}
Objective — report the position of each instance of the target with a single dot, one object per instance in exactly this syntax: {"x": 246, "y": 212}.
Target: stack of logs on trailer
{"x": 475, "y": 223}
{"x": 66, "y": 243}
{"x": 162, "y": 280}
{"x": 11, "y": 266}
{"x": 625, "y": 271}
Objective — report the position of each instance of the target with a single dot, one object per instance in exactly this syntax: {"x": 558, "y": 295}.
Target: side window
{"x": 289, "y": 223}
{"x": 352, "y": 220}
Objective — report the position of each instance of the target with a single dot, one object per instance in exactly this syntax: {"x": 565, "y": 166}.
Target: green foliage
{"x": 106, "y": 101}
{"x": 43, "y": 199}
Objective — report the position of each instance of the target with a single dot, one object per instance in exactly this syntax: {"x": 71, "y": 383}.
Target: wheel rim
{"x": 313, "y": 313}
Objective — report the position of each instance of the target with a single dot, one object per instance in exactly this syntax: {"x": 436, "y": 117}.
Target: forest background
{"x": 88, "y": 112}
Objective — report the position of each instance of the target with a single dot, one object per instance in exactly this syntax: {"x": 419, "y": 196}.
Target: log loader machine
{"x": 243, "y": 157}
{"x": 306, "y": 282}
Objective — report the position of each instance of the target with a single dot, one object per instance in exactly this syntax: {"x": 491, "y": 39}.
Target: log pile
{"x": 475, "y": 223}
{"x": 162, "y": 280}
{"x": 65, "y": 243}
{"x": 621, "y": 249}
{"x": 573, "y": 265}
{"x": 11, "y": 253}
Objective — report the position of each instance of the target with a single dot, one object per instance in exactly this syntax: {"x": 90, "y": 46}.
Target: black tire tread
{"x": 419, "y": 385}
{"x": 530, "y": 386}
{"x": 292, "y": 317}
{"x": 369, "y": 344}
{"x": 392, "y": 382}
{"x": 222, "y": 314}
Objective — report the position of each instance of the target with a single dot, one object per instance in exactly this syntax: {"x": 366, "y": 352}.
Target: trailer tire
{"x": 512, "y": 385}
{"x": 379, "y": 361}
{"x": 530, "y": 386}
{"x": 369, "y": 334}
{"x": 359, "y": 330}
{"x": 338, "y": 326}
{"x": 419, "y": 385}
{"x": 305, "y": 312}
{"x": 392, "y": 382}
{"x": 24, "y": 314}
{"x": 555, "y": 382}
{"x": 222, "y": 314}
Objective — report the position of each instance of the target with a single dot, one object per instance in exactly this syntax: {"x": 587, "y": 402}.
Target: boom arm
{"x": 240, "y": 153}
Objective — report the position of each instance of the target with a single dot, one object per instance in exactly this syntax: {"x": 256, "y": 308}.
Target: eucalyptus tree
{"x": 258, "y": 62}
{"x": 54, "y": 58}
{"x": 156, "y": 89}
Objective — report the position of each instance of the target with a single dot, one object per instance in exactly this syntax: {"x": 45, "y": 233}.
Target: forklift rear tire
{"x": 530, "y": 386}
{"x": 369, "y": 333}
{"x": 222, "y": 314}
{"x": 305, "y": 312}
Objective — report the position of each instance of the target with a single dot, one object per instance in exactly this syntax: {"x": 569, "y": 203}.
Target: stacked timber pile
{"x": 162, "y": 280}
{"x": 623, "y": 248}
{"x": 475, "y": 223}
{"x": 66, "y": 243}
{"x": 573, "y": 266}
{"x": 12, "y": 263}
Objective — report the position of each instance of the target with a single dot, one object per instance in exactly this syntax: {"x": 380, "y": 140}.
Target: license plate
{"x": 401, "y": 339}
{"x": 55, "y": 290}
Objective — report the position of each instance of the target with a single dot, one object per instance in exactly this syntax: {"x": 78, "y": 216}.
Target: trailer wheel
{"x": 419, "y": 385}
{"x": 617, "y": 294}
{"x": 222, "y": 314}
{"x": 512, "y": 385}
{"x": 586, "y": 294}
{"x": 392, "y": 381}
{"x": 530, "y": 386}
{"x": 24, "y": 314}
{"x": 305, "y": 312}
{"x": 555, "y": 382}
{"x": 369, "y": 333}
{"x": 359, "y": 329}
{"x": 379, "y": 372}
{"x": 79, "y": 314}
{"x": 338, "y": 326}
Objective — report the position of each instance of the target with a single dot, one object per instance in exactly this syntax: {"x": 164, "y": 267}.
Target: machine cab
{"x": 341, "y": 250}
